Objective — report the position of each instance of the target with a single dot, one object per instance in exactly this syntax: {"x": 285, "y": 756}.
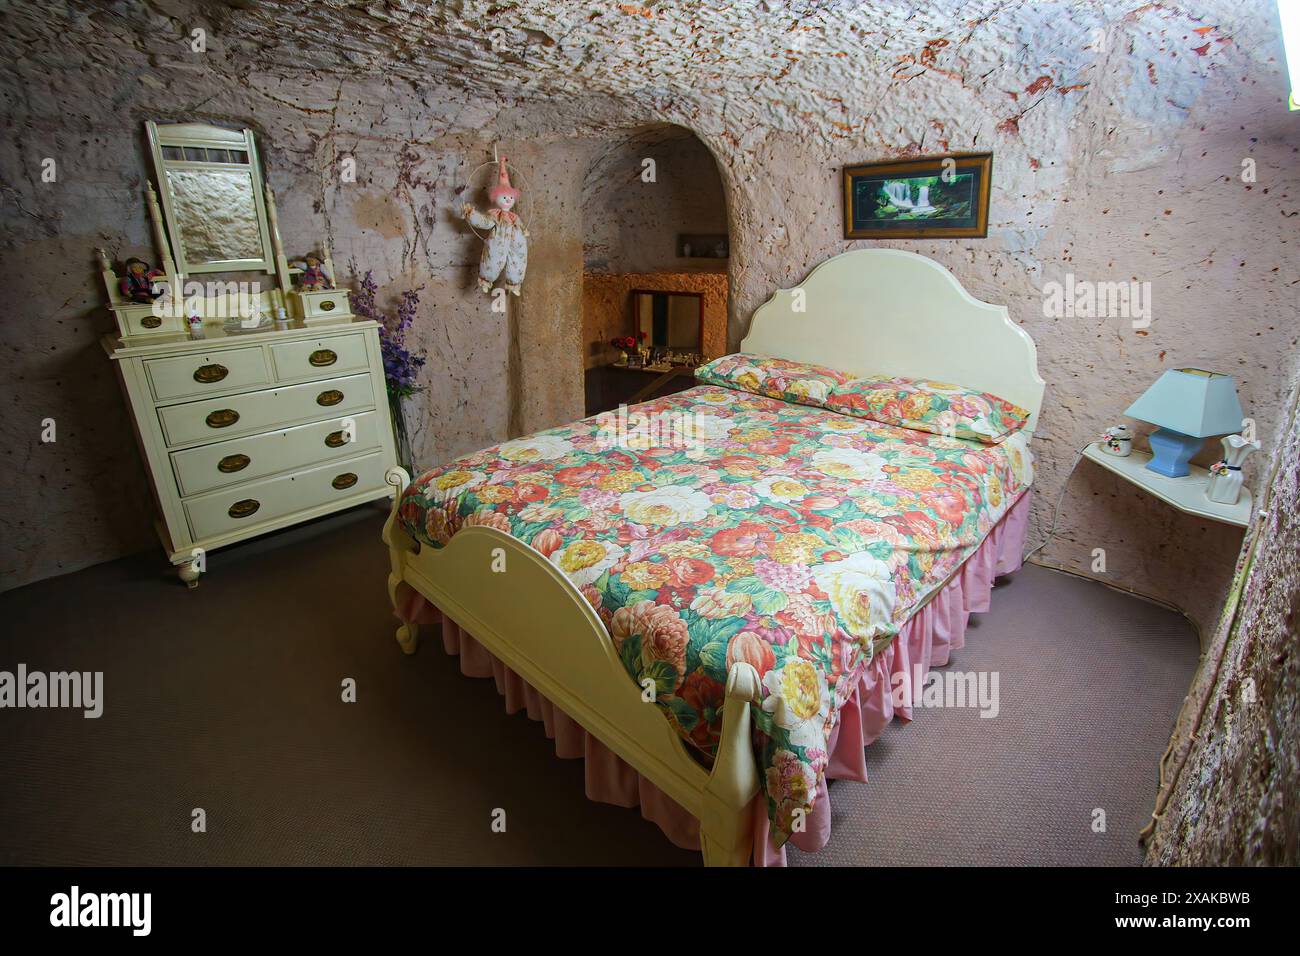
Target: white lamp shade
{"x": 1192, "y": 402}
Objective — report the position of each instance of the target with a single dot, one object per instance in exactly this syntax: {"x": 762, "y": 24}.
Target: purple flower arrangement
{"x": 401, "y": 365}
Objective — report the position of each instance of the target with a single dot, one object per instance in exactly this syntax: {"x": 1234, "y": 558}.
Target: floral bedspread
{"x": 715, "y": 526}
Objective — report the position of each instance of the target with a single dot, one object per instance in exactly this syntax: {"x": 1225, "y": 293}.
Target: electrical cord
{"x": 1060, "y": 498}
{"x": 1056, "y": 512}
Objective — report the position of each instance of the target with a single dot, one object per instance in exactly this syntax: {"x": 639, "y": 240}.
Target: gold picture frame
{"x": 934, "y": 197}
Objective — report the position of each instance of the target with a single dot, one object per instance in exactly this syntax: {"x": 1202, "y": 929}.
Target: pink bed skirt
{"x": 925, "y": 641}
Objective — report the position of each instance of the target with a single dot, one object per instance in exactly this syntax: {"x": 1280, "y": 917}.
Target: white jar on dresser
{"x": 248, "y": 433}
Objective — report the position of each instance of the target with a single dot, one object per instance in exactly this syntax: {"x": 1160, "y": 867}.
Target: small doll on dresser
{"x": 314, "y": 277}
{"x": 505, "y": 252}
{"x": 137, "y": 284}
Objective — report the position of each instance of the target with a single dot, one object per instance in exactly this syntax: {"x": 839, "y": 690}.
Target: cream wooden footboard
{"x": 532, "y": 617}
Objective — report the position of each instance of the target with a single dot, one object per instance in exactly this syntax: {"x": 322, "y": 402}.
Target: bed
{"x": 697, "y": 610}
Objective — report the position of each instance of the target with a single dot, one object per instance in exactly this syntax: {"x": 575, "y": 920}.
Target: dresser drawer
{"x": 255, "y": 456}
{"x": 314, "y": 358}
{"x": 235, "y": 509}
{"x": 141, "y": 321}
{"x": 321, "y": 304}
{"x": 198, "y": 372}
{"x": 218, "y": 418}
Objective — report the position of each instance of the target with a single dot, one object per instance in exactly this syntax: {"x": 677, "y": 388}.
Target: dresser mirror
{"x": 210, "y": 213}
{"x": 212, "y": 198}
{"x": 672, "y": 322}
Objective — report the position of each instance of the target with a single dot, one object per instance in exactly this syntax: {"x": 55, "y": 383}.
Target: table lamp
{"x": 1189, "y": 405}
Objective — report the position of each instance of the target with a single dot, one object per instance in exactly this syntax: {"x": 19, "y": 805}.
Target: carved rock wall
{"x": 1237, "y": 799}
{"x": 1147, "y": 144}
{"x": 644, "y": 190}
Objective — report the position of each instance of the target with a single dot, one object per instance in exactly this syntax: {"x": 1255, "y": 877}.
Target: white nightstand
{"x": 1186, "y": 494}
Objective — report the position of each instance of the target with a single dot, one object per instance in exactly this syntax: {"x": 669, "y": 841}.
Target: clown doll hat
{"x": 502, "y": 187}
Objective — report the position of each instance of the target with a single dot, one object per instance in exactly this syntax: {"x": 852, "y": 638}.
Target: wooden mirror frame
{"x": 201, "y": 135}
{"x": 699, "y": 332}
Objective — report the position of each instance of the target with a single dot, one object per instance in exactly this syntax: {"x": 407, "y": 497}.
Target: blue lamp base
{"x": 1171, "y": 451}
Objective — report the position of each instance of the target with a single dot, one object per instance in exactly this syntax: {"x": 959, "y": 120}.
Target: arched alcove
{"x": 656, "y": 251}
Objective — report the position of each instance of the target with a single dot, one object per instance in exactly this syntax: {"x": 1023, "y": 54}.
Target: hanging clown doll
{"x": 505, "y": 252}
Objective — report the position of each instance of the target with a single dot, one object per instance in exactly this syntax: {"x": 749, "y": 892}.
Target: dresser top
{"x": 215, "y": 335}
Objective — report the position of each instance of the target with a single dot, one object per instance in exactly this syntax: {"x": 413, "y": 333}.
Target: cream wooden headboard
{"x": 890, "y": 312}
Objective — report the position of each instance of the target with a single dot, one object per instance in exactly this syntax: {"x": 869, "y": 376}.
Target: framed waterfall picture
{"x": 938, "y": 197}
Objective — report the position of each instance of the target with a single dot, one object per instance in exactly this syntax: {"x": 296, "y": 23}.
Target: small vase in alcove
{"x": 1224, "y": 485}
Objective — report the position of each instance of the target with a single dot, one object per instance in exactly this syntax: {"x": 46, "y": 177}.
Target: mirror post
{"x": 277, "y": 245}
{"x": 160, "y": 234}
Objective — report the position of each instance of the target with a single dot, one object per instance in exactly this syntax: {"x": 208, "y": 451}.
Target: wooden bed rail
{"x": 521, "y": 607}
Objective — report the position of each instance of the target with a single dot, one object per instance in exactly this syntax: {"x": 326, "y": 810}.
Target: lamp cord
{"x": 1056, "y": 511}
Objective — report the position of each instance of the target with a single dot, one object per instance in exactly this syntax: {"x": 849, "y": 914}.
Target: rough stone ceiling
{"x": 833, "y": 66}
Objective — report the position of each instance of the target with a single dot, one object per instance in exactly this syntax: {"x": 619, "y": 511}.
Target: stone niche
{"x": 645, "y": 192}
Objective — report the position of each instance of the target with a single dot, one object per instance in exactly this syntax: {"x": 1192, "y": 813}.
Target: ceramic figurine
{"x": 1224, "y": 485}
{"x": 314, "y": 277}
{"x": 196, "y": 327}
{"x": 1117, "y": 440}
{"x": 505, "y": 252}
{"x": 137, "y": 284}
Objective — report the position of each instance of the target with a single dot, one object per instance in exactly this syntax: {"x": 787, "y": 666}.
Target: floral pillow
{"x": 798, "y": 382}
{"x": 925, "y": 406}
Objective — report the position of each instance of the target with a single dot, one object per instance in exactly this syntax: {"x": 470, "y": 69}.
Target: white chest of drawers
{"x": 245, "y": 434}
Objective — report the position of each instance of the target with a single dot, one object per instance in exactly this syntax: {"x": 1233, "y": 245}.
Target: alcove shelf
{"x": 1186, "y": 494}
{"x": 699, "y": 246}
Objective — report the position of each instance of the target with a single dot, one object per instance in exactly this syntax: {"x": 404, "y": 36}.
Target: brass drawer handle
{"x": 222, "y": 418}
{"x": 233, "y": 463}
{"x": 207, "y": 374}
{"x": 326, "y": 305}
{"x": 345, "y": 480}
{"x": 322, "y": 357}
{"x": 151, "y": 322}
{"x": 331, "y": 396}
{"x": 336, "y": 439}
{"x": 244, "y": 508}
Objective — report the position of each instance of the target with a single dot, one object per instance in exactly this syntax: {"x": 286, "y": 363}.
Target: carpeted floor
{"x": 228, "y": 698}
